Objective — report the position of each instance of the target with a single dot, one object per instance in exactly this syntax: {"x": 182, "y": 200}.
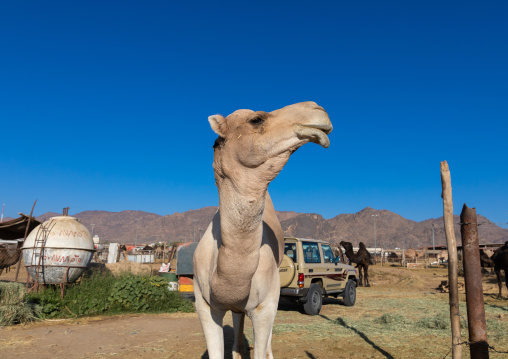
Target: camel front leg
{"x": 360, "y": 276}
{"x": 238, "y": 325}
{"x": 262, "y": 323}
{"x": 366, "y": 271}
{"x": 211, "y": 322}
{"x": 500, "y": 282}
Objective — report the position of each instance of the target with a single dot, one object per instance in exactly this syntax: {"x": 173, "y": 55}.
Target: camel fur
{"x": 442, "y": 257}
{"x": 412, "y": 255}
{"x": 486, "y": 261}
{"x": 362, "y": 258}
{"x": 500, "y": 258}
{"x": 236, "y": 264}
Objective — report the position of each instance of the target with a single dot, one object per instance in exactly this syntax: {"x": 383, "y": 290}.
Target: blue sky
{"x": 104, "y": 104}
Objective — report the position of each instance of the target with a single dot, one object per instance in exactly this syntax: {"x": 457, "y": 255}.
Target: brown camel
{"x": 485, "y": 261}
{"x": 500, "y": 258}
{"x": 9, "y": 255}
{"x": 236, "y": 264}
{"x": 362, "y": 258}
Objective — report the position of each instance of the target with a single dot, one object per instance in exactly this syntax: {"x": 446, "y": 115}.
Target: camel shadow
{"x": 497, "y": 307}
{"x": 362, "y": 335}
{"x": 229, "y": 338}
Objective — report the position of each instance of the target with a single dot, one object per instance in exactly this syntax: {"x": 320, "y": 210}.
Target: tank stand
{"x": 64, "y": 283}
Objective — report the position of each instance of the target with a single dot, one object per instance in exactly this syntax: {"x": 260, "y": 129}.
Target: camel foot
{"x": 367, "y": 285}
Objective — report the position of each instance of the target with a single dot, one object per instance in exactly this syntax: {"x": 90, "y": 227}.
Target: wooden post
{"x": 453, "y": 278}
{"x": 24, "y": 239}
{"x": 479, "y": 347}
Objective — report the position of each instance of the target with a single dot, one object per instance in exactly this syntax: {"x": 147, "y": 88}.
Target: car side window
{"x": 328, "y": 255}
{"x": 311, "y": 252}
{"x": 290, "y": 251}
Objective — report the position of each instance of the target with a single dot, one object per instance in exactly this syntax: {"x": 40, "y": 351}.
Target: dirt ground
{"x": 339, "y": 331}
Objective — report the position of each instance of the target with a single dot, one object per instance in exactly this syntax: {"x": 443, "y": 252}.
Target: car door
{"x": 335, "y": 274}
{"x": 312, "y": 259}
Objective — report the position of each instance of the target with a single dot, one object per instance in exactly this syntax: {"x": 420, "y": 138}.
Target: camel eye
{"x": 257, "y": 121}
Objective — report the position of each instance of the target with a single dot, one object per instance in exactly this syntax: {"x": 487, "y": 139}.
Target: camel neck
{"x": 241, "y": 219}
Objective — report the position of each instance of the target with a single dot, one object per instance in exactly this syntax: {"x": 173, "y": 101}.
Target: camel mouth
{"x": 316, "y": 133}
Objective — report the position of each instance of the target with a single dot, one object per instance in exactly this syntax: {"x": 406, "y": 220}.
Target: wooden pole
{"x": 453, "y": 278}
{"x": 479, "y": 347}
{"x": 24, "y": 239}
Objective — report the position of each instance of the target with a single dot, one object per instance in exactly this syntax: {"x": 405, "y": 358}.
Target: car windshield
{"x": 290, "y": 251}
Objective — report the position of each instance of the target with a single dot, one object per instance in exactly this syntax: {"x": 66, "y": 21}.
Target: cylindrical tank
{"x": 58, "y": 251}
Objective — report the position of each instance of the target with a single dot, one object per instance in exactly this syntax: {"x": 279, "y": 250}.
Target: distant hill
{"x": 392, "y": 230}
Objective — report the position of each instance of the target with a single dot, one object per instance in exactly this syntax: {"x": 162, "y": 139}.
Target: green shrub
{"x": 108, "y": 294}
{"x": 137, "y": 293}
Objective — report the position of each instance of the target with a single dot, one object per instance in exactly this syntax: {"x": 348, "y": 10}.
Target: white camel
{"x": 236, "y": 263}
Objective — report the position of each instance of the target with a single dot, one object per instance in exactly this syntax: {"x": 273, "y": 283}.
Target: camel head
{"x": 254, "y": 146}
{"x": 347, "y": 245}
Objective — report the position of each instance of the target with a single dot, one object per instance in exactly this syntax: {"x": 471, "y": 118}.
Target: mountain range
{"x": 389, "y": 230}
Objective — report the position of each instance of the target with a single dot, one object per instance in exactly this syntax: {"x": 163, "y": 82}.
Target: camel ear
{"x": 218, "y": 124}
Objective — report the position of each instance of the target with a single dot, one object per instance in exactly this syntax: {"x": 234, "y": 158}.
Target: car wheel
{"x": 349, "y": 295}
{"x": 314, "y": 300}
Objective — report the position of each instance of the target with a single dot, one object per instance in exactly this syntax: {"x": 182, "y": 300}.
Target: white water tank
{"x": 58, "y": 250}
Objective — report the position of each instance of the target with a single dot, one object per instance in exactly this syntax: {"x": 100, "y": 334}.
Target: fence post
{"x": 453, "y": 278}
{"x": 479, "y": 347}
{"x": 24, "y": 239}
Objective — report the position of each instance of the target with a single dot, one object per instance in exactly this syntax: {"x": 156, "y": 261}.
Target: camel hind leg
{"x": 238, "y": 325}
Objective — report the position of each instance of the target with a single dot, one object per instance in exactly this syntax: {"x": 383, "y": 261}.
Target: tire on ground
{"x": 314, "y": 300}
{"x": 349, "y": 294}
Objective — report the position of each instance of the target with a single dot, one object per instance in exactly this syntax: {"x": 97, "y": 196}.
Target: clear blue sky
{"x": 104, "y": 104}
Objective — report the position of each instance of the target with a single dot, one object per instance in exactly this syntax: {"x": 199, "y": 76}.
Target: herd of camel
{"x": 498, "y": 260}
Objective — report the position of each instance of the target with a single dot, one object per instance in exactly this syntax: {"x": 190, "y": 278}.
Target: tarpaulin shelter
{"x": 184, "y": 265}
{"x": 16, "y": 228}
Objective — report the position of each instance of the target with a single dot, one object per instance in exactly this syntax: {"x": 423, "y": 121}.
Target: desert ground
{"x": 402, "y": 315}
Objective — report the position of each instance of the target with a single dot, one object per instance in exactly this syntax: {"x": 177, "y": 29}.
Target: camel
{"x": 362, "y": 258}
{"x": 412, "y": 255}
{"x": 236, "y": 264}
{"x": 9, "y": 256}
{"x": 441, "y": 257}
{"x": 500, "y": 258}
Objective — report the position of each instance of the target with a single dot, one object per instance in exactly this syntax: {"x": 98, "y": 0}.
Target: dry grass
{"x": 13, "y": 308}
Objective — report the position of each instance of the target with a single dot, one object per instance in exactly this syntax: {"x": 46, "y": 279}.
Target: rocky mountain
{"x": 390, "y": 230}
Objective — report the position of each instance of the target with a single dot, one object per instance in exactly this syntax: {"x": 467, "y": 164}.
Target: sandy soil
{"x": 180, "y": 335}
